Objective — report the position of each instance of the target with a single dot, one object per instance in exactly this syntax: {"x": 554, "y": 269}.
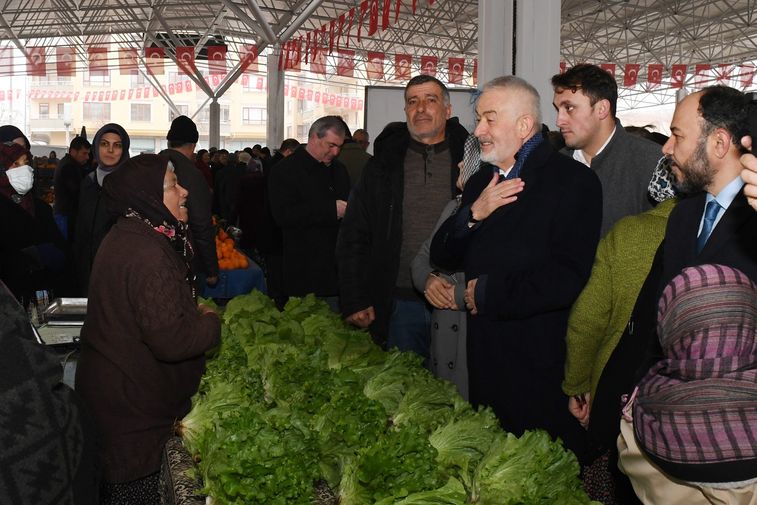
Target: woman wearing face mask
{"x": 110, "y": 149}
{"x": 32, "y": 251}
{"x": 145, "y": 337}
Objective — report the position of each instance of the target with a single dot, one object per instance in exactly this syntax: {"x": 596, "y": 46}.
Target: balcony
{"x": 48, "y": 124}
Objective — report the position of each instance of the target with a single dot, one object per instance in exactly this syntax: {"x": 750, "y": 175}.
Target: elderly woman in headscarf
{"x": 688, "y": 433}
{"x": 32, "y": 250}
{"x": 110, "y": 149}
{"x": 144, "y": 338}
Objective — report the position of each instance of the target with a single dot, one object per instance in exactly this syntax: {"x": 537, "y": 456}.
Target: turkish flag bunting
{"x": 609, "y": 68}
{"x": 374, "y": 67}
{"x": 98, "y": 60}
{"x": 318, "y": 63}
{"x": 701, "y": 74}
{"x": 65, "y": 61}
{"x": 35, "y": 63}
{"x": 677, "y": 76}
{"x": 331, "y": 37}
{"x": 373, "y": 22}
{"x": 428, "y": 65}
{"x": 475, "y": 72}
{"x": 746, "y": 75}
{"x": 456, "y": 66}
{"x": 154, "y": 58}
{"x": 351, "y": 15}
{"x": 397, "y": 7}
{"x": 339, "y": 31}
{"x": 724, "y": 73}
{"x": 185, "y": 59}
{"x": 402, "y": 67}
{"x": 385, "y": 14}
{"x": 248, "y": 59}
{"x": 363, "y": 10}
{"x": 414, "y": 5}
{"x": 127, "y": 61}
{"x": 217, "y": 60}
{"x": 631, "y": 74}
{"x": 6, "y": 61}
{"x": 345, "y": 65}
{"x": 654, "y": 74}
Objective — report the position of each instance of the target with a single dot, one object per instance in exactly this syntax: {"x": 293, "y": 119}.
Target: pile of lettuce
{"x": 295, "y": 401}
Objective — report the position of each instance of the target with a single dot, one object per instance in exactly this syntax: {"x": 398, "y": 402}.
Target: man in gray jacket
{"x": 182, "y": 141}
{"x": 586, "y": 100}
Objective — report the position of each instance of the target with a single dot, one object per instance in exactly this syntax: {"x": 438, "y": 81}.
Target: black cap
{"x": 183, "y": 129}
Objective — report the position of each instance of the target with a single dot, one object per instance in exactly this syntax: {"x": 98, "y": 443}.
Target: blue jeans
{"x": 410, "y": 327}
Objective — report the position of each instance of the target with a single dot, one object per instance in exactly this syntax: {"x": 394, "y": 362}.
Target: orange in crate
{"x": 229, "y": 258}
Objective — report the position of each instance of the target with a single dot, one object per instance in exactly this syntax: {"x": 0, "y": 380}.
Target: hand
{"x": 341, "y": 206}
{"x": 470, "y": 296}
{"x": 749, "y": 174}
{"x": 496, "y": 195}
{"x": 579, "y": 407}
{"x": 211, "y": 281}
{"x": 362, "y": 318}
{"x": 205, "y": 309}
{"x": 440, "y": 292}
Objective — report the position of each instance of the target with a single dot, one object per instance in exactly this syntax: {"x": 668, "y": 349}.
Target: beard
{"x": 695, "y": 174}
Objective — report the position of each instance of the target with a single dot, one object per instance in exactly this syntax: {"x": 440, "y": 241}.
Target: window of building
{"x": 137, "y": 81}
{"x": 204, "y": 115}
{"x": 183, "y": 111}
{"x": 96, "y": 111}
{"x": 302, "y": 131}
{"x": 97, "y": 80}
{"x": 139, "y": 145}
{"x": 61, "y": 110}
{"x": 253, "y": 115}
{"x": 140, "y": 112}
{"x": 44, "y": 110}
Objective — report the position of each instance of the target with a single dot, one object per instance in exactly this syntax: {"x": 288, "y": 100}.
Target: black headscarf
{"x": 135, "y": 191}
{"x": 125, "y": 142}
{"x": 9, "y": 133}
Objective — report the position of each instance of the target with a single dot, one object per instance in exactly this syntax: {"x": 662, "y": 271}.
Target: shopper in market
{"x": 111, "y": 149}
{"x": 688, "y": 433}
{"x": 67, "y": 183}
{"x": 182, "y": 139}
{"x": 393, "y": 209}
{"x": 144, "y": 338}
{"x": 525, "y": 235}
{"x": 308, "y": 192}
{"x": 33, "y": 253}
{"x": 10, "y": 133}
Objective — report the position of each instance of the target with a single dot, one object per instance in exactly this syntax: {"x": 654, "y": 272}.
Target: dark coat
{"x": 534, "y": 256}
{"x": 303, "y": 195}
{"x": 33, "y": 253}
{"x": 44, "y": 431}
{"x": 67, "y": 182}
{"x": 143, "y": 345}
{"x": 202, "y": 232}
{"x": 370, "y": 239}
{"x": 93, "y": 221}
{"x": 733, "y": 243}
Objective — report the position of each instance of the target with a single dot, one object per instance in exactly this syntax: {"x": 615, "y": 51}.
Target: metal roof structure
{"x": 597, "y": 31}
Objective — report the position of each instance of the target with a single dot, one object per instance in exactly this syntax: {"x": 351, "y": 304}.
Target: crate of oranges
{"x": 229, "y": 257}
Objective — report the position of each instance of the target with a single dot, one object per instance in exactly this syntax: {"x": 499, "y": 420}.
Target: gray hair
{"x": 511, "y": 82}
{"x": 323, "y": 124}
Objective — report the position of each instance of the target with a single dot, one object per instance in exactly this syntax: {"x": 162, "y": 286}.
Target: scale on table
{"x": 63, "y": 318}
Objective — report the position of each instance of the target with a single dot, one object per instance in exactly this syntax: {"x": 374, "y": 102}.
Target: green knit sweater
{"x": 601, "y": 312}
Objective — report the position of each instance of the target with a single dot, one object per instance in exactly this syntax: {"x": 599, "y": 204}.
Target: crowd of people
{"x": 596, "y": 282}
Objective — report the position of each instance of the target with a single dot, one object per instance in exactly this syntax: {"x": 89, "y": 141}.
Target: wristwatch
{"x": 472, "y": 221}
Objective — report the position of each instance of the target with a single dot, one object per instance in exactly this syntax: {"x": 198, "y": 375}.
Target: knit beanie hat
{"x": 183, "y": 129}
{"x": 9, "y": 153}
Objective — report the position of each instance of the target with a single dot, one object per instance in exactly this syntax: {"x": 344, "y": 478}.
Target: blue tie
{"x": 710, "y": 213}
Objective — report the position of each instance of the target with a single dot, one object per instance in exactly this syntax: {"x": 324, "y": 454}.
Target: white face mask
{"x": 21, "y": 178}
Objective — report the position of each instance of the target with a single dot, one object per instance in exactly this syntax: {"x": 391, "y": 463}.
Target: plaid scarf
{"x": 523, "y": 153}
{"x": 695, "y": 412}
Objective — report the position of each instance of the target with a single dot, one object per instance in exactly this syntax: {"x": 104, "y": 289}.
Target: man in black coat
{"x": 393, "y": 209}
{"x": 526, "y": 245}
{"x": 182, "y": 139}
{"x": 67, "y": 182}
{"x": 308, "y": 195}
